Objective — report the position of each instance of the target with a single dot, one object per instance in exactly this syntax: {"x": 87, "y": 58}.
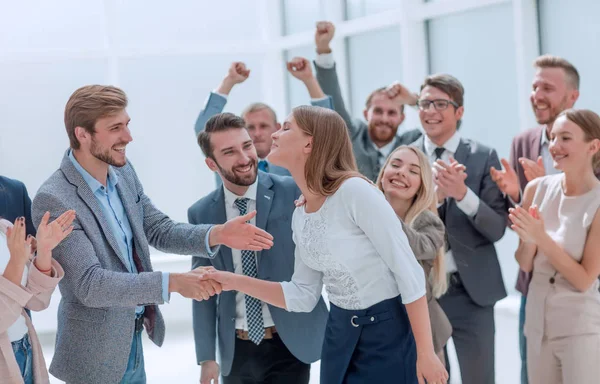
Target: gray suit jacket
{"x": 216, "y": 103}
{"x": 214, "y": 319}
{"x": 472, "y": 239}
{"x": 99, "y": 296}
{"x": 364, "y": 150}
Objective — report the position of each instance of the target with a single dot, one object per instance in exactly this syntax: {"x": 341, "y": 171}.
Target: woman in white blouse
{"x": 26, "y": 282}
{"x": 349, "y": 238}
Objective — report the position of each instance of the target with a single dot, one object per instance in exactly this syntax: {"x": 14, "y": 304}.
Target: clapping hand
{"x": 532, "y": 169}
{"x": 450, "y": 179}
{"x": 506, "y": 180}
{"x": 19, "y": 246}
{"x": 528, "y": 224}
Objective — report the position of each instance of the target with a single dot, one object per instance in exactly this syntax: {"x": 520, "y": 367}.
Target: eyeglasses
{"x": 438, "y": 104}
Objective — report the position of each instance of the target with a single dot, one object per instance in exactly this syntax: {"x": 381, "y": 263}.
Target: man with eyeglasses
{"x": 475, "y": 213}
{"x": 374, "y": 140}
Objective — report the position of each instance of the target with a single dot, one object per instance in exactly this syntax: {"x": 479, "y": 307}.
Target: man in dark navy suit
{"x": 15, "y": 202}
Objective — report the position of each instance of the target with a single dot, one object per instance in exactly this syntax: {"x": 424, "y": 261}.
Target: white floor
{"x": 175, "y": 361}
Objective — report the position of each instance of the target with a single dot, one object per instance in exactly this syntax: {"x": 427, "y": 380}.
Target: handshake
{"x": 196, "y": 284}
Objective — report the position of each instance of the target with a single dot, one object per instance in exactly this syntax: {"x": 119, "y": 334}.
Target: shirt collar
{"x": 451, "y": 145}
{"x": 545, "y": 140}
{"x": 230, "y": 197}
{"x": 386, "y": 149}
{"x": 94, "y": 184}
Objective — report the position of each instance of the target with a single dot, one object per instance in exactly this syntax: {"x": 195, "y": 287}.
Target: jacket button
{"x": 552, "y": 280}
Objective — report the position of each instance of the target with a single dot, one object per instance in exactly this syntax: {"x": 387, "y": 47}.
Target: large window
{"x": 477, "y": 47}
{"x": 569, "y": 28}
{"x": 374, "y": 60}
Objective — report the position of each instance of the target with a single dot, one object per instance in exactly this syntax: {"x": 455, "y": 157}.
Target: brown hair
{"x": 425, "y": 199}
{"x": 447, "y": 84}
{"x": 218, "y": 123}
{"x": 90, "y": 103}
{"x": 549, "y": 61}
{"x": 376, "y": 92}
{"x": 331, "y": 160}
{"x": 589, "y": 122}
{"x": 255, "y": 107}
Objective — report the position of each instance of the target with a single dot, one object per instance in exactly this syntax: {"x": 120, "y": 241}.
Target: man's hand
{"x": 237, "y": 233}
{"x": 323, "y": 36}
{"x": 238, "y": 73}
{"x": 532, "y": 169}
{"x": 193, "y": 286}
{"x": 209, "y": 372}
{"x": 450, "y": 178}
{"x": 300, "y": 68}
{"x": 400, "y": 94}
{"x": 507, "y": 180}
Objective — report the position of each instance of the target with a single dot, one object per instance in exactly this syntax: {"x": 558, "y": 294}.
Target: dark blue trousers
{"x": 373, "y": 345}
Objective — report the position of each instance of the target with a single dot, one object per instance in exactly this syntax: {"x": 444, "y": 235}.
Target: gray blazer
{"x": 426, "y": 237}
{"x": 214, "y": 319}
{"x": 364, "y": 150}
{"x": 215, "y": 105}
{"x": 97, "y": 309}
{"x": 472, "y": 239}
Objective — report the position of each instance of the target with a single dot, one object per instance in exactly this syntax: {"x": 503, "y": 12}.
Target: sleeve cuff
{"x": 469, "y": 204}
{"x": 514, "y": 203}
{"x": 219, "y": 94}
{"x": 325, "y": 60}
{"x": 325, "y": 102}
{"x": 165, "y": 287}
{"x": 211, "y": 251}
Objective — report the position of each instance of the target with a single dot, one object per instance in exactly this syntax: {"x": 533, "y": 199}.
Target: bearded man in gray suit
{"x": 109, "y": 292}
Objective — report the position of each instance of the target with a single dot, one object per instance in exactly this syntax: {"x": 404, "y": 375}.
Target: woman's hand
{"x": 226, "y": 279}
{"x": 430, "y": 369}
{"x": 528, "y": 224}
{"x": 19, "y": 246}
{"x": 50, "y": 235}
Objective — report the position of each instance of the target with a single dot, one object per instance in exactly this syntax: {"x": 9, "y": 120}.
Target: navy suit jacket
{"x": 15, "y": 202}
{"x": 214, "y": 319}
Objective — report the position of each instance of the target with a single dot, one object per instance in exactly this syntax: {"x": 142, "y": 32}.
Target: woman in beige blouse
{"x": 406, "y": 181}
{"x": 26, "y": 282}
{"x": 559, "y": 230}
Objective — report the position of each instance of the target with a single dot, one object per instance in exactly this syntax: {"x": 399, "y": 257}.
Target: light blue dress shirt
{"x": 114, "y": 212}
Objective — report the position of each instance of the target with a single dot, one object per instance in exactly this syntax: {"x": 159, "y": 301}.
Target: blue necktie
{"x": 256, "y": 328}
{"x": 263, "y": 165}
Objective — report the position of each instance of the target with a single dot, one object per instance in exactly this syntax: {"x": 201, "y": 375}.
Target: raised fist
{"x": 238, "y": 73}
{"x": 400, "y": 94}
{"x": 323, "y": 35}
{"x": 300, "y": 68}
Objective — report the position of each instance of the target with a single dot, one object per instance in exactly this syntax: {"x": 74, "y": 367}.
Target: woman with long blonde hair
{"x": 406, "y": 181}
{"x": 349, "y": 239}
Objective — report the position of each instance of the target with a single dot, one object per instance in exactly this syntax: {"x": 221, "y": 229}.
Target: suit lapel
{"x": 220, "y": 217}
{"x": 536, "y": 143}
{"x": 85, "y": 193}
{"x": 420, "y": 143}
{"x": 129, "y": 200}
{"x": 462, "y": 153}
{"x": 264, "y": 200}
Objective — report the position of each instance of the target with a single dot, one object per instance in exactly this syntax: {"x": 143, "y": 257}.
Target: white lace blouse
{"x": 355, "y": 245}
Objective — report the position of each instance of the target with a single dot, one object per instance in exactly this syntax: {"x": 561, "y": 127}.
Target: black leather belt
{"x": 139, "y": 323}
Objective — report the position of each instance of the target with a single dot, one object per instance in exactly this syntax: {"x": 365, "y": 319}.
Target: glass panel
{"x": 301, "y": 16}
{"x": 374, "y": 60}
{"x": 360, "y": 8}
{"x": 576, "y": 42}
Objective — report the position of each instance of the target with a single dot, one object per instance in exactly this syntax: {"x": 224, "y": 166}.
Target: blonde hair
{"x": 90, "y": 103}
{"x": 549, "y": 61}
{"x": 425, "y": 199}
{"x": 331, "y": 161}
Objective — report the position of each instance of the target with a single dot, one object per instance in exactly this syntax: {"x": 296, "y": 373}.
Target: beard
{"x": 105, "y": 154}
{"x": 554, "y": 112}
{"x": 234, "y": 178}
{"x": 382, "y": 133}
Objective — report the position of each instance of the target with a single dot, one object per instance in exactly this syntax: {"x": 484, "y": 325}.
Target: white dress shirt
{"x": 232, "y": 211}
{"x": 470, "y": 203}
{"x": 355, "y": 245}
{"x": 19, "y": 328}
